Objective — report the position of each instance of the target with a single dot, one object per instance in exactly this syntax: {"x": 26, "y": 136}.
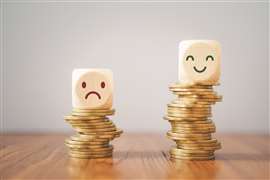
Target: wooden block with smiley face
{"x": 92, "y": 88}
{"x": 199, "y": 62}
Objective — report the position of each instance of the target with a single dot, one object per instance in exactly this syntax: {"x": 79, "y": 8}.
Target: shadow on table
{"x": 92, "y": 168}
{"x": 242, "y": 156}
{"x": 140, "y": 154}
{"x": 165, "y": 154}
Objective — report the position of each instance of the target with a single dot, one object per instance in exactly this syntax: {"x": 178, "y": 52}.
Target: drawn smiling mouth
{"x": 93, "y": 92}
{"x": 199, "y": 71}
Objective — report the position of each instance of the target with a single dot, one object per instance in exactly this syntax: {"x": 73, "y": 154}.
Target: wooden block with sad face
{"x": 199, "y": 62}
{"x": 92, "y": 88}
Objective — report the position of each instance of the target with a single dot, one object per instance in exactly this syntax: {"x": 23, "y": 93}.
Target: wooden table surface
{"x": 136, "y": 156}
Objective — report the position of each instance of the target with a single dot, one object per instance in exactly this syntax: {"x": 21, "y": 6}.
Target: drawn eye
{"x": 189, "y": 57}
{"x": 102, "y": 84}
{"x": 209, "y": 57}
{"x": 83, "y": 85}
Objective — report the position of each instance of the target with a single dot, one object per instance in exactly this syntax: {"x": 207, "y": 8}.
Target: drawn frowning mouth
{"x": 199, "y": 71}
{"x": 92, "y": 92}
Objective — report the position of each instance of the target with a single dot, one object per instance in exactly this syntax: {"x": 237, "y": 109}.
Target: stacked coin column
{"x": 94, "y": 133}
{"x": 192, "y": 127}
{"x": 92, "y": 102}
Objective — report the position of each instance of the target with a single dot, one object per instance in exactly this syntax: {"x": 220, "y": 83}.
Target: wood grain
{"x": 136, "y": 156}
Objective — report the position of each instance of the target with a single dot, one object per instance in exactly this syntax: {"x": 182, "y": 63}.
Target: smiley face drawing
{"x": 92, "y": 88}
{"x": 199, "y": 62}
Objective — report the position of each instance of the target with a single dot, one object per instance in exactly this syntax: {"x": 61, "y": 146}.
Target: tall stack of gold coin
{"x": 94, "y": 133}
{"x": 189, "y": 115}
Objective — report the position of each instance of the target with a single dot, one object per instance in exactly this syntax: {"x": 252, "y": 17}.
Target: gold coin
{"x": 94, "y": 139}
{"x": 75, "y": 142}
{"x": 202, "y": 148}
{"x": 89, "y": 126}
{"x": 188, "y": 116}
{"x": 190, "y": 102}
{"x": 106, "y": 147}
{"x": 191, "y": 124}
{"x": 75, "y": 139}
{"x": 181, "y": 127}
{"x": 193, "y": 155}
{"x": 195, "y": 90}
{"x": 83, "y": 122}
{"x": 95, "y": 130}
{"x": 189, "y": 105}
{"x": 71, "y": 117}
{"x": 194, "y": 102}
{"x": 175, "y": 150}
{"x": 188, "y": 99}
{"x": 186, "y": 136}
{"x": 202, "y": 143}
{"x": 185, "y": 139}
{"x": 99, "y": 114}
{"x": 198, "y": 94}
{"x": 189, "y": 110}
{"x": 89, "y": 152}
{"x": 191, "y": 128}
{"x": 99, "y": 137}
{"x": 182, "y": 115}
{"x": 105, "y": 135}
{"x": 83, "y": 156}
{"x": 191, "y": 88}
{"x": 87, "y": 119}
{"x": 191, "y": 147}
{"x": 101, "y": 123}
{"x": 210, "y": 98}
{"x": 185, "y": 119}
{"x": 192, "y": 158}
{"x": 86, "y": 146}
{"x": 188, "y": 124}
{"x": 107, "y": 124}
{"x": 182, "y": 106}
{"x": 117, "y": 131}
{"x": 94, "y": 124}
{"x": 94, "y": 127}
{"x": 199, "y": 142}
{"x": 192, "y": 131}
{"x": 181, "y": 85}
{"x": 93, "y": 110}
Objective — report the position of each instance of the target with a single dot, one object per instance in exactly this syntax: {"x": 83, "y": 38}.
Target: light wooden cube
{"x": 92, "y": 88}
{"x": 199, "y": 62}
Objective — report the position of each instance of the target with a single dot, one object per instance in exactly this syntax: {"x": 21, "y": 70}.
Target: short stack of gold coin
{"x": 94, "y": 133}
{"x": 192, "y": 127}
